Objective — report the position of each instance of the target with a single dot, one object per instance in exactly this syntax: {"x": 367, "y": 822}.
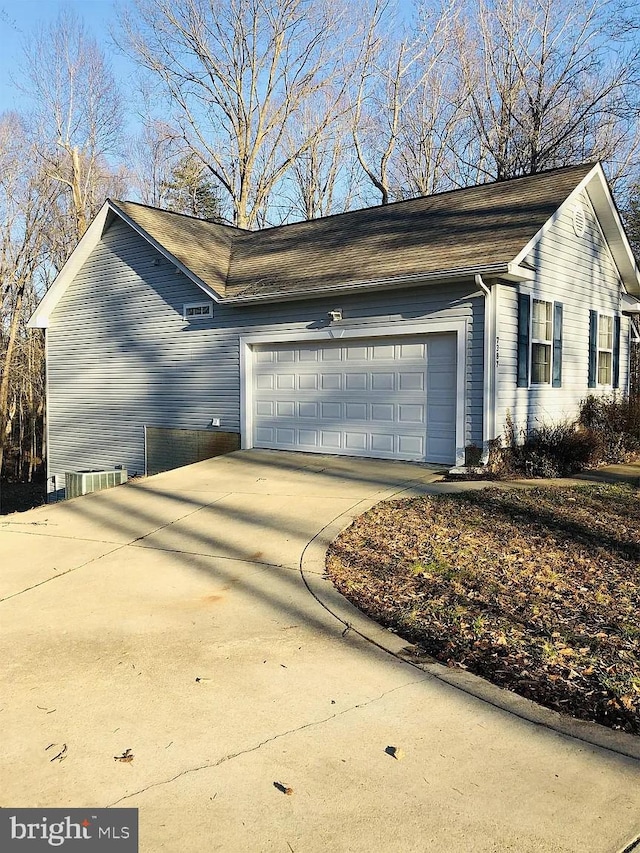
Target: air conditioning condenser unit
{"x": 84, "y": 482}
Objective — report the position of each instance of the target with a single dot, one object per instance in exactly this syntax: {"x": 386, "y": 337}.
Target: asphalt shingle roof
{"x": 481, "y": 225}
{"x": 203, "y": 247}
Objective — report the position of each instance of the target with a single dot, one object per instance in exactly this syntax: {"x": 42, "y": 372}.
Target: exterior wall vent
{"x": 579, "y": 220}
{"x": 79, "y": 483}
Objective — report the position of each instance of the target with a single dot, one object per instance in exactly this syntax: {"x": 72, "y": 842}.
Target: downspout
{"x": 489, "y": 383}
{"x": 482, "y": 285}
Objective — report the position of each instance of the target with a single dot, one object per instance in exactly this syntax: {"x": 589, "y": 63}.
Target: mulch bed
{"x": 536, "y": 590}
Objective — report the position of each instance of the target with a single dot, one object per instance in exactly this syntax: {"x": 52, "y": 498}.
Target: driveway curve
{"x": 170, "y": 617}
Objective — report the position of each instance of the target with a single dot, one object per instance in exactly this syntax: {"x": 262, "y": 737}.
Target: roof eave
{"x": 611, "y": 223}
{"x": 503, "y": 270}
{"x": 596, "y": 186}
{"x": 630, "y": 304}
{"x": 89, "y": 240}
{"x": 41, "y": 317}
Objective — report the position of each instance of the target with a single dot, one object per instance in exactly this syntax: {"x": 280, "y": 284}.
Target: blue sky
{"x": 19, "y": 17}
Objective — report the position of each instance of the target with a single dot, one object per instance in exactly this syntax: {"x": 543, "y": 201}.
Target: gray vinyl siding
{"x": 578, "y": 272}
{"x": 121, "y": 356}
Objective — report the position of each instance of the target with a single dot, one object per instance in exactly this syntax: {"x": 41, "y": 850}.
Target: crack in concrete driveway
{"x": 212, "y": 764}
{"x": 190, "y": 624}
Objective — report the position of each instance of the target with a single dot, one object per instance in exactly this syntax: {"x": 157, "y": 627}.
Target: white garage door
{"x": 388, "y": 398}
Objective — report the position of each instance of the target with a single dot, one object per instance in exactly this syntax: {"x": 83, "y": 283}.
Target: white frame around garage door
{"x": 334, "y": 333}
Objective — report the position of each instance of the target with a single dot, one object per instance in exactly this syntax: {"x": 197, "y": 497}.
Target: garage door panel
{"x": 414, "y": 381}
{"x": 362, "y": 398}
{"x": 412, "y": 350}
{"x": 355, "y": 440}
{"x": 331, "y": 440}
{"x": 264, "y": 408}
{"x": 382, "y": 412}
{"x": 356, "y": 381}
{"x": 264, "y": 356}
{"x": 308, "y": 381}
{"x": 355, "y": 353}
{"x": 383, "y": 351}
{"x": 411, "y": 445}
{"x": 356, "y": 411}
{"x": 308, "y": 410}
{"x": 331, "y": 411}
{"x": 383, "y": 381}
{"x": 331, "y": 354}
{"x": 382, "y": 443}
{"x": 331, "y": 381}
{"x": 285, "y": 356}
{"x": 265, "y": 435}
{"x": 308, "y": 355}
{"x": 285, "y": 381}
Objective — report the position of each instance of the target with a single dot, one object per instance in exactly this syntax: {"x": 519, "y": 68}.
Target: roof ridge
{"x": 176, "y": 213}
{"x": 578, "y": 166}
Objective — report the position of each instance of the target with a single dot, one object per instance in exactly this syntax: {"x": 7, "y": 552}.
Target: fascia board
{"x": 41, "y": 317}
{"x": 522, "y": 254}
{"x": 596, "y": 186}
{"x": 630, "y": 304}
{"x": 614, "y": 232}
{"x": 89, "y": 240}
{"x": 438, "y": 277}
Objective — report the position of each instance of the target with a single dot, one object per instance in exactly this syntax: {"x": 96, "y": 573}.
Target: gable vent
{"x": 579, "y": 220}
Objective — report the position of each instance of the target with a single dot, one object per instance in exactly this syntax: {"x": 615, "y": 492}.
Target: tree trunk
{"x": 4, "y": 384}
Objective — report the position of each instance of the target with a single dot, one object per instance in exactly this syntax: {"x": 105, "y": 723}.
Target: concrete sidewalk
{"x": 170, "y": 617}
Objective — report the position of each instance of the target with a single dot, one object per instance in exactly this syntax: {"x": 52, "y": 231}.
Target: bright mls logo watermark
{"x": 35, "y": 830}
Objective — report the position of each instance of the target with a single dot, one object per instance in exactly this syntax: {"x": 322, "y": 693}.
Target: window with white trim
{"x": 541, "y": 341}
{"x": 197, "y": 310}
{"x": 605, "y": 349}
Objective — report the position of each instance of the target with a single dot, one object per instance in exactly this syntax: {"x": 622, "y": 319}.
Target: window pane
{"x": 540, "y": 364}
{"x": 541, "y": 320}
{"x": 604, "y": 368}
{"x": 605, "y": 332}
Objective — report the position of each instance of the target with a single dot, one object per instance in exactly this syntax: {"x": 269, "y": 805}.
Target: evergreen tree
{"x": 189, "y": 190}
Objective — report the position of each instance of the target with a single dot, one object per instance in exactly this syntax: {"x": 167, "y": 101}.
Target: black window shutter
{"x": 593, "y": 347}
{"x": 616, "y": 352}
{"x": 557, "y": 345}
{"x": 524, "y": 309}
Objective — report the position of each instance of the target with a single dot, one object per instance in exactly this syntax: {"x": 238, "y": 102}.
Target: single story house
{"x": 405, "y": 331}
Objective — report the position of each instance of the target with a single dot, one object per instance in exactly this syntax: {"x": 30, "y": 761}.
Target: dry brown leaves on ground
{"x": 536, "y": 590}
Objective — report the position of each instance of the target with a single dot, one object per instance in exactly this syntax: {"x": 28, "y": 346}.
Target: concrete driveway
{"x": 170, "y": 617}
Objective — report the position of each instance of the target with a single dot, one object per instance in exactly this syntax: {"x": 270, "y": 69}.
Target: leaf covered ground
{"x": 536, "y": 590}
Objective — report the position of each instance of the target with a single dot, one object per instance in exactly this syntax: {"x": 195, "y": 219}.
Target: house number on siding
{"x": 497, "y": 350}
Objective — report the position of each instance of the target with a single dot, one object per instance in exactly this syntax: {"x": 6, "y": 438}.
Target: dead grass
{"x": 536, "y": 590}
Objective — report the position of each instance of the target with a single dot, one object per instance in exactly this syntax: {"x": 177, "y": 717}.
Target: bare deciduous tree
{"x": 323, "y": 179}
{"x": 405, "y": 105}
{"x": 544, "y": 86}
{"x": 77, "y": 113}
{"x": 154, "y": 155}
{"x": 237, "y": 74}
{"x": 24, "y": 202}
